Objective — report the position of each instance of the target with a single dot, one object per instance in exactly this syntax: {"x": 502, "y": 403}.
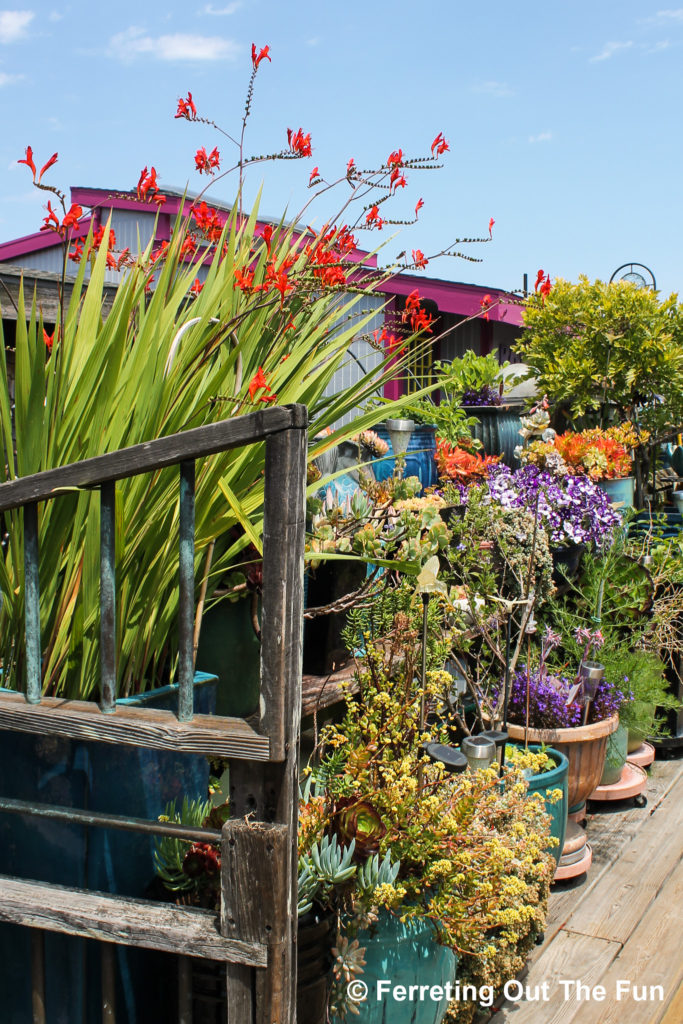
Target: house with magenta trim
{"x": 458, "y": 310}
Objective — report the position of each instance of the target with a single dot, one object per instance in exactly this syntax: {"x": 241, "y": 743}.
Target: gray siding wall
{"x": 366, "y": 357}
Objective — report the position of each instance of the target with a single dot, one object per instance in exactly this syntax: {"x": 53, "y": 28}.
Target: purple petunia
{"x": 573, "y": 508}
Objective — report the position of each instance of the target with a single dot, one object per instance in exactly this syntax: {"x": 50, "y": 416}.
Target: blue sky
{"x": 563, "y": 118}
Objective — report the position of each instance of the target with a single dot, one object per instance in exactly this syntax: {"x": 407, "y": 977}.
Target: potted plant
{"x": 544, "y": 707}
{"x": 602, "y": 455}
{"x": 431, "y": 834}
{"x": 607, "y": 353}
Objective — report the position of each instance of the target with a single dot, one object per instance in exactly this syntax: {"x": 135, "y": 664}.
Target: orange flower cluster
{"x": 595, "y": 453}
{"x": 457, "y": 464}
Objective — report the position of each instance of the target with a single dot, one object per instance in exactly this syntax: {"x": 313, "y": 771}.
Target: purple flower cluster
{"x": 548, "y": 708}
{"x": 485, "y": 395}
{"x": 573, "y": 508}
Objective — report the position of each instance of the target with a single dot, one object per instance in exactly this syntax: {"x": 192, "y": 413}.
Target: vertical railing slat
{"x": 186, "y": 592}
{"x": 32, "y": 604}
{"x": 38, "y": 976}
{"x": 108, "y": 595}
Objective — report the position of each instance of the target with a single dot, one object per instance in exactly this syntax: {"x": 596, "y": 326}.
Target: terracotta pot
{"x": 584, "y": 746}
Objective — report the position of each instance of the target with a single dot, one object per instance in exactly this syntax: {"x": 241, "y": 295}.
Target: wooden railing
{"x": 255, "y": 932}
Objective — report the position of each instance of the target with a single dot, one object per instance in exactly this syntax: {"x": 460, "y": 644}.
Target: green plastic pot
{"x": 544, "y": 783}
{"x": 404, "y": 955}
{"x": 228, "y": 648}
{"x": 615, "y": 757}
{"x": 636, "y": 737}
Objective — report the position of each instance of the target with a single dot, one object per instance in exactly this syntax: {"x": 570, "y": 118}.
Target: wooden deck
{"x": 620, "y": 926}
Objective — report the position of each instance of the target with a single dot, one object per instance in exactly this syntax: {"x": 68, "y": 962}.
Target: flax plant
{"x": 163, "y": 361}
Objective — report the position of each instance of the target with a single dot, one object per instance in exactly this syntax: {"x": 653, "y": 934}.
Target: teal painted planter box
{"x": 134, "y": 781}
{"x": 620, "y": 492}
{"x": 556, "y": 778}
{"x": 403, "y": 954}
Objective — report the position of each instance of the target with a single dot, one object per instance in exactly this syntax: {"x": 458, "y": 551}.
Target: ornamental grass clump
{"x": 468, "y": 853}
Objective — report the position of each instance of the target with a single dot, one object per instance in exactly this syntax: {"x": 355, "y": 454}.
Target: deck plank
{"x": 651, "y": 957}
{"x": 570, "y": 957}
{"x": 578, "y": 909}
{"x": 619, "y": 902}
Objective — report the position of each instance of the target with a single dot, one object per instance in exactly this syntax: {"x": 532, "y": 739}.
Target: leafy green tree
{"x": 607, "y": 352}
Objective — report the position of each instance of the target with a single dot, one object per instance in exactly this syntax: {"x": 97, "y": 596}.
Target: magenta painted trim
{"x": 456, "y": 297}
{"x": 39, "y": 241}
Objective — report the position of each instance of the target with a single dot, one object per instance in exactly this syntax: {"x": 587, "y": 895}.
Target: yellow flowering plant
{"x": 465, "y": 852}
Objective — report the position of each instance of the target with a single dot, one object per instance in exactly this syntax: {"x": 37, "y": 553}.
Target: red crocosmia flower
{"x": 158, "y": 253}
{"x": 262, "y": 55}
{"x": 350, "y": 167}
{"x": 491, "y": 223}
{"x": 72, "y": 217}
{"x": 189, "y": 246}
{"x": 51, "y": 161}
{"x": 419, "y": 259}
{"x": 315, "y": 173}
{"x": 207, "y": 164}
{"x": 486, "y": 304}
{"x": 299, "y": 143}
{"x": 546, "y": 287}
{"x": 147, "y": 183}
{"x": 372, "y": 218}
{"x": 418, "y": 206}
{"x": 267, "y": 398}
{"x": 159, "y": 199}
{"x": 439, "y": 145}
{"x": 258, "y": 383}
{"x": 48, "y": 339}
{"x": 395, "y": 159}
{"x": 76, "y": 253}
{"x": 196, "y": 287}
{"x": 52, "y": 220}
{"x": 29, "y": 161}
{"x": 540, "y": 274}
{"x": 267, "y": 236}
{"x": 123, "y": 259}
{"x": 186, "y": 108}
{"x": 243, "y": 279}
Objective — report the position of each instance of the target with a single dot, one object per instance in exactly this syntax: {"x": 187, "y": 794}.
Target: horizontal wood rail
{"x": 152, "y": 455}
{"x": 130, "y": 922}
{"x": 135, "y": 727}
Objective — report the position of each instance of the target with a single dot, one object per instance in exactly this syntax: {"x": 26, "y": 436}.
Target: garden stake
{"x": 425, "y": 613}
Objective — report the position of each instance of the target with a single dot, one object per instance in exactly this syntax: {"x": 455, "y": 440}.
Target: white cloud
{"x": 671, "y": 15}
{"x": 541, "y": 137}
{"x": 221, "y": 11}
{"x": 6, "y": 79}
{"x": 181, "y": 46}
{"x": 663, "y": 44}
{"x": 490, "y": 88}
{"x": 609, "y": 50}
{"x": 13, "y": 25}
